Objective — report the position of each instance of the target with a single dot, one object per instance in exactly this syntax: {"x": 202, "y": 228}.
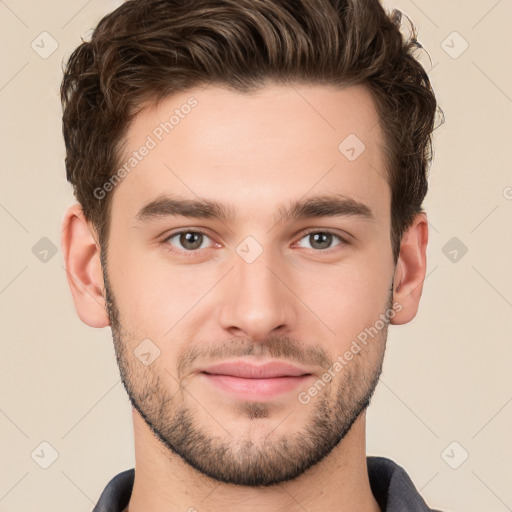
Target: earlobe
{"x": 410, "y": 270}
{"x": 83, "y": 267}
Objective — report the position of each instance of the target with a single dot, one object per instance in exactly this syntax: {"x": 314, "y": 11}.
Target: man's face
{"x": 256, "y": 286}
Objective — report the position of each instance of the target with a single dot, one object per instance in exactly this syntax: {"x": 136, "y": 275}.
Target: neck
{"x": 163, "y": 481}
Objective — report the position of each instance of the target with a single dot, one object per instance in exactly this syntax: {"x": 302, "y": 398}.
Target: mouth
{"x": 258, "y": 382}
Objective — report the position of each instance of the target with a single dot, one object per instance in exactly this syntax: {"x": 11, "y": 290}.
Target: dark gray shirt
{"x": 390, "y": 484}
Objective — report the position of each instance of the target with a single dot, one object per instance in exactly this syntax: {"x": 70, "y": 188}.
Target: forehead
{"x": 252, "y": 150}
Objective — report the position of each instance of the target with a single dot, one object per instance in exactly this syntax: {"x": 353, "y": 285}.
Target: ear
{"x": 410, "y": 270}
{"x": 83, "y": 267}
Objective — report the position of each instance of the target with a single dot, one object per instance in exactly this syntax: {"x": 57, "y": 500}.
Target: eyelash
{"x": 192, "y": 253}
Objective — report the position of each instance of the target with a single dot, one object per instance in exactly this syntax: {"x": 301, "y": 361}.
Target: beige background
{"x": 447, "y": 374}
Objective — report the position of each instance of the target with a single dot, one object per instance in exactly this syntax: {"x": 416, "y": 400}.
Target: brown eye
{"x": 187, "y": 240}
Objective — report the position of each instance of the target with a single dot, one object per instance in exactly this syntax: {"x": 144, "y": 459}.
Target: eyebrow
{"x": 330, "y": 205}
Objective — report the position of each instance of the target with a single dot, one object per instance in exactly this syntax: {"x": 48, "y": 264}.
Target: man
{"x": 249, "y": 177}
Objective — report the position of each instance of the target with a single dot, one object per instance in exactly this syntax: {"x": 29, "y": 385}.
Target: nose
{"x": 258, "y": 299}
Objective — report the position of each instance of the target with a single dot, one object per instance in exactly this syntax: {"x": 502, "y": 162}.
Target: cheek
{"x": 347, "y": 298}
{"x": 153, "y": 295}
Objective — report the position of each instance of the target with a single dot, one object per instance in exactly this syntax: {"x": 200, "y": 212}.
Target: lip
{"x": 255, "y": 382}
{"x": 245, "y": 370}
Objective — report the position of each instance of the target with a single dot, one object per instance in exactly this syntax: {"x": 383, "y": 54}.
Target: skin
{"x": 296, "y": 302}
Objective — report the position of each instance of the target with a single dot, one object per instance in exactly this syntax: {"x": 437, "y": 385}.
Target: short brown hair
{"x": 146, "y": 50}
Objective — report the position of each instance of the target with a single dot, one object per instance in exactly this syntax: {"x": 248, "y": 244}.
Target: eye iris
{"x": 190, "y": 237}
{"x": 324, "y": 239}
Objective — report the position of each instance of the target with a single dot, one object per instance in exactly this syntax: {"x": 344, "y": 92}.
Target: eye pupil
{"x": 324, "y": 239}
{"x": 191, "y": 237}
